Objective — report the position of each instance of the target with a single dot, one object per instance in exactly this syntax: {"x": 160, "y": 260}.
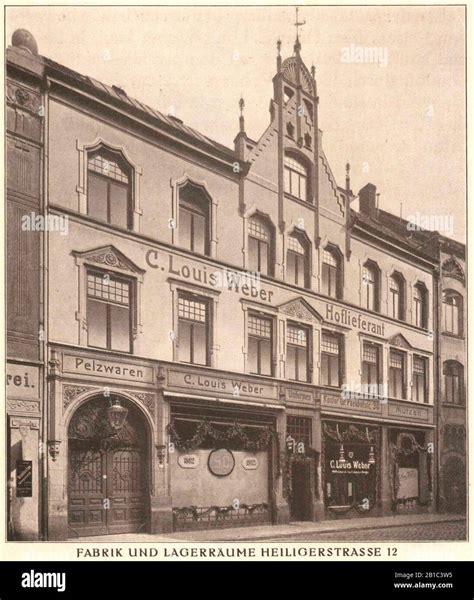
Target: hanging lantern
{"x": 341, "y": 454}
{"x": 116, "y": 414}
{"x": 371, "y": 456}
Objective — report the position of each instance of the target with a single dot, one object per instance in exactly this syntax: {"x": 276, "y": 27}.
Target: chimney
{"x": 367, "y": 200}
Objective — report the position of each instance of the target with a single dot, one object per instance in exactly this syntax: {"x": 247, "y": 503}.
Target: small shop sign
{"x": 188, "y": 461}
{"x": 24, "y": 479}
{"x": 250, "y": 463}
{"x": 221, "y": 462}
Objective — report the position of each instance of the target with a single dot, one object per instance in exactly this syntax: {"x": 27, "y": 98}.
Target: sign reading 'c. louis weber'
{"x": 223, "y": 386}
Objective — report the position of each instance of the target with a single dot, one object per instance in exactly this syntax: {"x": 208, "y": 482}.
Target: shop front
{"x": 410, "y": 470}
{"x": 224, "y": 450}
{"x": 352, "y": 468}
{"x": 372, "y": 469}
{"x": 24, "y": 450}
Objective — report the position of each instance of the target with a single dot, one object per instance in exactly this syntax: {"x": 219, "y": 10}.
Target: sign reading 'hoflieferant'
{"x": 107, "y": 368}
{"x": 354, "y": 320}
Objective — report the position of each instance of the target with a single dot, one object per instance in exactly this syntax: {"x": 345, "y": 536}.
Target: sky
{"x": 398, "y": 120}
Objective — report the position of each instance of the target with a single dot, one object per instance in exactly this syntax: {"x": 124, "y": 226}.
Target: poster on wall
{"x": 24, "y": 479}
{"x": 408, "y": 478}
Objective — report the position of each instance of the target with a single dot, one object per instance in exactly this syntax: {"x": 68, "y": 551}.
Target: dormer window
{"x": 296, "y": 178}
{"x": 109, "y": 188}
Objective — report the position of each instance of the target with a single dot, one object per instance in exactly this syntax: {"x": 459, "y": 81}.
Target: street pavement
{"x": 394, "y": 528}
{"x": 448, "y": 530}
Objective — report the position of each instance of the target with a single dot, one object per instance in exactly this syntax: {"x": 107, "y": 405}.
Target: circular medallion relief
{"x": 221, "y": 462}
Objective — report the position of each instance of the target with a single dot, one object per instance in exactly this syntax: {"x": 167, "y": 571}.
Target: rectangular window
{"x": 297, "y": 353}
{"x": 108, "y": 312}
{"x": 192, "y": 229}
{"x": 259, "y": 247}
{"x": 193, "y": 329}
{"x": 295, "y": 178}
{"x": 260, "y": 341}
{"x": 397, "y": 387}
{"x": 258, "y": 256}
{"x": 420, "y": 381}
{"x": 371, "y": 372}
{"x": 298, "y": 434}
{"x": 108, "y": 192}
{"x": 330, "y": 360}
{"x": 296, "y": 268}
{"x": 451, "y": 306}
{"x": 394, "y": 300}
{"x": 329, "y": 275}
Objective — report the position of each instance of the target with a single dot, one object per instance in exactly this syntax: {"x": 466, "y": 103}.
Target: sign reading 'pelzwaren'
{"x": 107, "y": 368}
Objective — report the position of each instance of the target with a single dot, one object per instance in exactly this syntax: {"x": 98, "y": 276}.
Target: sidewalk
{"x": 266, "y": 532}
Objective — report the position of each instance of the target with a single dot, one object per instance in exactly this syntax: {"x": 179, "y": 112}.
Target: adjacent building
{"x": 206, "y": 336}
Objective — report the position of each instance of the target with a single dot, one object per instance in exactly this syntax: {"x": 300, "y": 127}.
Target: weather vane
{"x": 298, "y": 24}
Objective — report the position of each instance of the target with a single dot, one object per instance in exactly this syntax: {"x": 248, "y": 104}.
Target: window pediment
{"x": 399, "y": 341}
{"x": 109, "y": 257}
{"x": 300, "y": 310}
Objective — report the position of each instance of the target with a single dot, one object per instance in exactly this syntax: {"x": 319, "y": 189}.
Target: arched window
{"x": 371, "y": 286}
{"x": 296, "y": 178}
{"x": 420, "y": 305}
{"x": 453, "y": 372}
{"x": 297, "y": 260}
{"x": 331, "y": 273}
{"x": 194, "y": 219}
{"x": 396, "y": 300}
{"x": 452, "y": 312}
{"x": 109, "y": 187}
{"x": 260, "y": 245}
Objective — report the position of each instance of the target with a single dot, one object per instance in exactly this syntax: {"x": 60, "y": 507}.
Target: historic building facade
{"x": 453, "y": 377}
{"x": 224, "y": 340}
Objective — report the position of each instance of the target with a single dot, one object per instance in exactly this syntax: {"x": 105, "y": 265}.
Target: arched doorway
{"x": 108, "y": 472}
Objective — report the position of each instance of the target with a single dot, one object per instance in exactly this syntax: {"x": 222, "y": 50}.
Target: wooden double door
{"x": 107, "y": 474}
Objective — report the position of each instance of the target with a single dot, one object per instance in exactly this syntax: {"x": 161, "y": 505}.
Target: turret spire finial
{"x": 241, "y": 118}
{"x": 298, "y": 24}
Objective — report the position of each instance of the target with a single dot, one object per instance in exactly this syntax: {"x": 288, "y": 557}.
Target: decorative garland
{"x": 351, "y": 432}
{"x": 234, "y": 433}
{"x": 193, "y": 511}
